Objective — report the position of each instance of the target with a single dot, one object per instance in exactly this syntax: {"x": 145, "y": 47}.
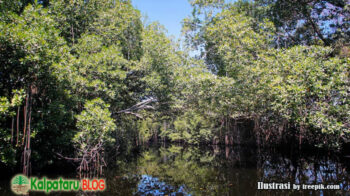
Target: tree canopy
{"x": 81, "y": 78}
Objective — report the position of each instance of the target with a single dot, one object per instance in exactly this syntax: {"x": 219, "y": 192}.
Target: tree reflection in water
{"x": 177, "y": 170}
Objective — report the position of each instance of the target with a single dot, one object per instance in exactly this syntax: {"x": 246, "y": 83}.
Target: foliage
{"x": 303, "y": 85}
{"x": 74, "y": 17}
{"x": 307, "y": 22}
{"x": 95, "y": 125}
{"x": 74, "y": 75}
{"x": 192, "y": 128}
{"x": 6, "y": 105}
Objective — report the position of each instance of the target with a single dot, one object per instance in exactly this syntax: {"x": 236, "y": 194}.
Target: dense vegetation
{"x": 79, "y": 78}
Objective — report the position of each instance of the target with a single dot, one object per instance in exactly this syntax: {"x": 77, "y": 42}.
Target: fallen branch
{"x": 139, "y": 106}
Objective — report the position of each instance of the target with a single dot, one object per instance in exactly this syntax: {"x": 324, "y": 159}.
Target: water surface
{"x": 214, "y": 170}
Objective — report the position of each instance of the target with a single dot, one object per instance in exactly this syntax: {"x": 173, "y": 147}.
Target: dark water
{"x": 214, "y": 170}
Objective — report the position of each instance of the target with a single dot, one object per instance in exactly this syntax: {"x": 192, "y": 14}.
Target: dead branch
{"x": 139, "y": 106}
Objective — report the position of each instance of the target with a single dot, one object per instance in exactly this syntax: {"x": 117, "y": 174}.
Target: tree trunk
{"x": 17, "y": 125}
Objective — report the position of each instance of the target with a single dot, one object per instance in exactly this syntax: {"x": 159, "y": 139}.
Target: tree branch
{"x": 139, "y": 106}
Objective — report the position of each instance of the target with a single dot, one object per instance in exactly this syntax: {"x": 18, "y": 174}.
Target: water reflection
{"x": 177, "y": 170}
{"x": 149, "y": 185}
{"x": 214, "y": 170}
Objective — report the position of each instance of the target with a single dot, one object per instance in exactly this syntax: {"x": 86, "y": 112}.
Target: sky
{"x": 167, "y": 12}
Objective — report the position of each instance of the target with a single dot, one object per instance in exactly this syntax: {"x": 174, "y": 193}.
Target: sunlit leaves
{"x": 94, "y": 124}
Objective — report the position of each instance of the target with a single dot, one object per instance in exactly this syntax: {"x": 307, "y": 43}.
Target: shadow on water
{"x": 216, "y": 170}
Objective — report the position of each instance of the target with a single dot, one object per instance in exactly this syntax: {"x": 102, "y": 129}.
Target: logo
{"x": 20, "y": 184}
